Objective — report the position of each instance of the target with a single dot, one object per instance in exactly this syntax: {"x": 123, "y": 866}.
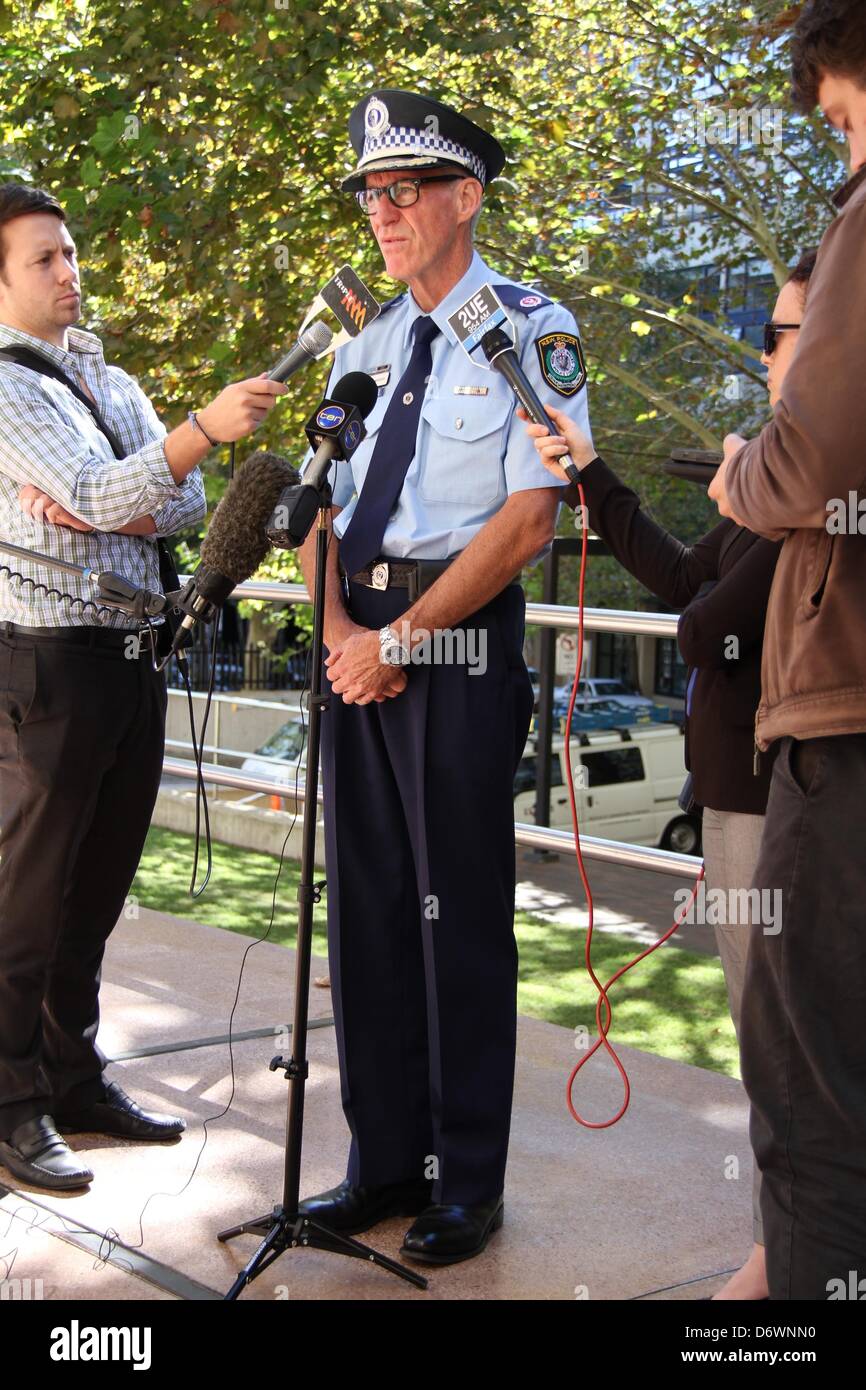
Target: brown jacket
{"x": 784, "y": 484}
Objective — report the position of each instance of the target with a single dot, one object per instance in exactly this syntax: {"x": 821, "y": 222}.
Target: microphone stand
{"x": 284, "y": 1227}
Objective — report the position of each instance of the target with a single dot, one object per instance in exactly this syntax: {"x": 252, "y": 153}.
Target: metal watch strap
{"x": 387, "y": 638}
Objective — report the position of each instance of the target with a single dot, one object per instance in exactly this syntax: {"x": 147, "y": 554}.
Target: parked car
{"x": 601, "y": 713}
{"x": 627, "y": 785}
{"x": 604, "y": 687}
{"x": 281, "y": 757}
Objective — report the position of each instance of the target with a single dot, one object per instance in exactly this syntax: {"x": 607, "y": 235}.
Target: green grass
{"x": 673, "y": 1004}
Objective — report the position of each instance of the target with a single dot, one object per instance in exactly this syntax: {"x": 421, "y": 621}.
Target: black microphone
{"x": 334, "y": 437}
{"x": 312, "y": 342}
{"x": 498, "y": 348}
{"x": 335, "y": 429}
{"x": 695, "y": 465}
{"x": 236, "y": 543}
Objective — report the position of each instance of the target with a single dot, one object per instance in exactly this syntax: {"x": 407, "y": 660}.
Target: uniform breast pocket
{"x": 461, "y": 449}
{"x": 360, "y": 460}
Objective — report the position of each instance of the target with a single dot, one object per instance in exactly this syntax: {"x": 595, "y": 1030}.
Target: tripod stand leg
{"x": 286, "y": 1233}
{"x": 257, "y": 1225}
{"x": 317, "y": 1237}
{"x": 271, "y": 1247}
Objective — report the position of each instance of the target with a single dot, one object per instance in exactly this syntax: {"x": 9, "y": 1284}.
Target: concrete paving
{"x": 636, "y": 903}
{"x": 643, "y": 1210}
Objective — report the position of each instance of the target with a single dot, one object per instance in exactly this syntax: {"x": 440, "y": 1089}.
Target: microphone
{"x": 498, "y": 348}
{"x": 695, "y": 465}
{"x": 113, "y": 590}
{"x": 482, "y": 321}
{"x": 312, "y": 343}
{"x": 236, "y": 543}
{"x": 353, "y": 306}
{"x": 335, "y": 429}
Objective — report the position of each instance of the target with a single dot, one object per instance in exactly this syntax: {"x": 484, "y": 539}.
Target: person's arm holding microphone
{"x": 238, "y": 410}
{"x": 656, "y": 558}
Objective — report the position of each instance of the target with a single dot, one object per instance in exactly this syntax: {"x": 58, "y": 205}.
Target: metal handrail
{"x": 539, "y": 614}
{"x": 534, "y": 836}
{"x": 661, "y": 861}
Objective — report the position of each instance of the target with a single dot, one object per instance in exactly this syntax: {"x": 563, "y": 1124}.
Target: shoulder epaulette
{"x": 389, "y": 303}
{"x": 519, "y": 297}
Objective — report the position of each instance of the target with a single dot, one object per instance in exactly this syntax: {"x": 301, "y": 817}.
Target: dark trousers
{"x": 419, "y": 820}
{"x": 803, "y": 1042}
{"x": 81, "y": 741}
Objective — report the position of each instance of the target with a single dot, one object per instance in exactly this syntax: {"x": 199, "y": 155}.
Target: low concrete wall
{"x": 234, "y": 823}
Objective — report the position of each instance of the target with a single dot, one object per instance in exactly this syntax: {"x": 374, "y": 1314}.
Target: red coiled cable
{"x": 603, "y": 1025}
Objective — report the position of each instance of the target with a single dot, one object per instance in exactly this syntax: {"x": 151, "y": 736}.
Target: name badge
{"x": 381, "y": 375}
{"x": 471, "y": 390}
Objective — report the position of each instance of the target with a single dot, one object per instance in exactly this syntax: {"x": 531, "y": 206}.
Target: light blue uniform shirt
{"x": 471, "y": 450}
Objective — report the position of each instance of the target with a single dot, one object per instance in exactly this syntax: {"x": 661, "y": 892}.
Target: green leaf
{"x": 90, "y": 172}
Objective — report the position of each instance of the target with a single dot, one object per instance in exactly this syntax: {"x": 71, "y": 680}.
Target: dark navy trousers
{"x": 419, "y": 823}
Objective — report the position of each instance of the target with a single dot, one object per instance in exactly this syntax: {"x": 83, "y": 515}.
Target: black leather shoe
{"x": 349, "y": 1209}
{"x": 445, "y": 1234}
{"x": 36, "y": 1153}
{"x": 119, "y": 1114}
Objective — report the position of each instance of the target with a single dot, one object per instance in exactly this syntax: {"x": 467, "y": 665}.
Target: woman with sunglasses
{"x": 722, "y": 583}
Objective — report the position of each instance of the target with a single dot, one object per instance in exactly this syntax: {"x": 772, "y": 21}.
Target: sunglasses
{"x": 771, "y": 334}
{"x": 402, "y": 193}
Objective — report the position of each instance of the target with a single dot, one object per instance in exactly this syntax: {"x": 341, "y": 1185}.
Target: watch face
{"x": 391, "y": 650}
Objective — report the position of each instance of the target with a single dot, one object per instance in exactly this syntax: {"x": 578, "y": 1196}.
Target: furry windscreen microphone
{"x": 236, "y": 543}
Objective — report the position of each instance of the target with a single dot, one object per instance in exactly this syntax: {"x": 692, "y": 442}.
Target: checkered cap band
{"x": 402, "y": 140}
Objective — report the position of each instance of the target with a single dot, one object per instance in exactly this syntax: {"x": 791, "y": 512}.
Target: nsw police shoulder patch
{"x": 560, "y": 357}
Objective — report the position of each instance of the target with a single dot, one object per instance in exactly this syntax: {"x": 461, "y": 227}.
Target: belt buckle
{"x": 144, "y": 639}
{"x": 380, "y": 575}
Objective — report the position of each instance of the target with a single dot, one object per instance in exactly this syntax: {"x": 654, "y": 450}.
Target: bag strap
{"x": 26, "y": 357}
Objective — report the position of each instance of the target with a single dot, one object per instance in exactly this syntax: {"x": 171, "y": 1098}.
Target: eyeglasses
{"x": 403, "y": 193}
{"x": 771, "y": 332}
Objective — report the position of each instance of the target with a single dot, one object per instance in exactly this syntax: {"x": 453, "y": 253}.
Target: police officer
{"x": 434, "y": 517}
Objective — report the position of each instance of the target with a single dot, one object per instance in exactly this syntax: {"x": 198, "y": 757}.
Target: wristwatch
{"x": 391, "y": 650}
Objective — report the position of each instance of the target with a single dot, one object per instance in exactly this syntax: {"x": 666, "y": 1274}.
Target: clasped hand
{"x": 357, "y": 672}
{"x": 37, "y": 504}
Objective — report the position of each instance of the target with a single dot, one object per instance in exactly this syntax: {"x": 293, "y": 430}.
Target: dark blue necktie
{"x": 394, "y": 451}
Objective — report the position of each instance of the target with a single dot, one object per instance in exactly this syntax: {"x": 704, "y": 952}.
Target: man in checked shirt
{"x": 82, "y": 716}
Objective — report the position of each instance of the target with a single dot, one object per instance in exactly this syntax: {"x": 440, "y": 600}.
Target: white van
{"x": 626, "y": 785}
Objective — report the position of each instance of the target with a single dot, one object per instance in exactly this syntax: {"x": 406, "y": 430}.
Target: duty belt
{"x": 414, "y": 575}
